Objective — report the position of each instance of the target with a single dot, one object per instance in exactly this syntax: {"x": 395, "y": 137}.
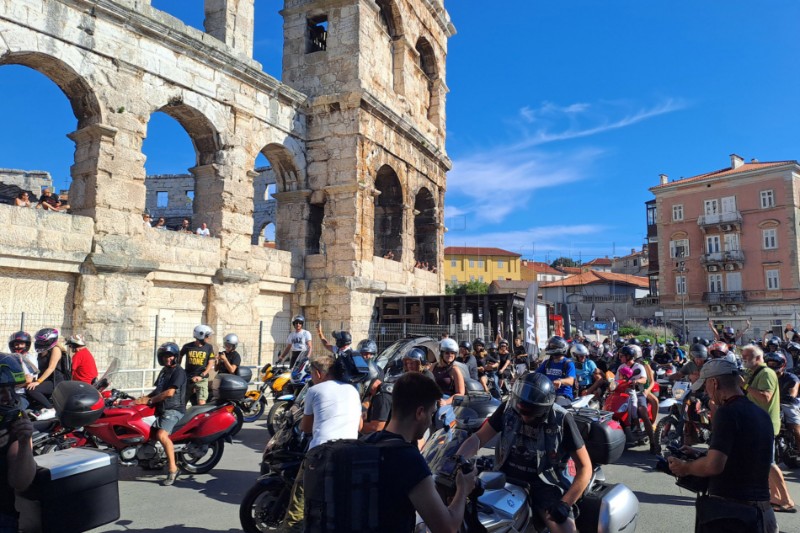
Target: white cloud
{"x": 510, "y": 174}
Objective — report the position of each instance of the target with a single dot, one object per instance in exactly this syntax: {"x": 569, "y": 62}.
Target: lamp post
{"x": 682, "y": 271}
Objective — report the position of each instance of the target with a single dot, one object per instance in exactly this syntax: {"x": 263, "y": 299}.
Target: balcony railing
{"x": 730, "y": 256}
{"x": 727, "y": 297}
{"x": 604, "y": 298}
{"x": 733, "y": 217}
{"x": 646, "y": 301}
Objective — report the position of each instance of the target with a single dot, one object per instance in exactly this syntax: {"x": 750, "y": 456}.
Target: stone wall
{"x": 30, "y": 180}
{"x": 327, "y": 132}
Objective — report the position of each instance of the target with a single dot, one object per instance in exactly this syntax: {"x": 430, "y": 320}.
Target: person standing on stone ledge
{"x": 203, "y": 230}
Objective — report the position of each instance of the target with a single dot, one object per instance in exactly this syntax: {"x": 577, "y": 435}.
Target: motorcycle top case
{"x": 245, "y": 373}
{"x": 73, "y": 490}
{"x": 77, "y": 404}
{"x": 229, "y": 387}
{"x": 604, "y": 443}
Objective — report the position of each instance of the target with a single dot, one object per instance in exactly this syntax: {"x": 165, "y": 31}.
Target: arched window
{"x": 427, "y": 62}
{"x": 425, "y": 228}
{"x": 392, "y": 23}
{"x": 388, "y": 227}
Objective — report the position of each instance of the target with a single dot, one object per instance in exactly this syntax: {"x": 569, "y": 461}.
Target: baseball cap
{"x": 712, "y": 369}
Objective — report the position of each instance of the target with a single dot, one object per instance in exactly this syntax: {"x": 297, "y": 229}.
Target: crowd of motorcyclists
{"x": 534, "y": 421}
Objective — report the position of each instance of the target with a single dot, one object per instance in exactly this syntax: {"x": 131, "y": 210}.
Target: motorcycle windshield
{"x": 441, "y": 445}
{"x": 300, "y": 368}
{"x": 108, "y": 375}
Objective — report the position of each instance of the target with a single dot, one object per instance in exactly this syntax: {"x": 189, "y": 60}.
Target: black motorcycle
{"x": 264, "y": 505}
{"x": 787, "y": 449}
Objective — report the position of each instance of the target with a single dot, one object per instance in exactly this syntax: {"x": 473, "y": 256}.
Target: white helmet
{"x": 231, "y": 339}
{"x": 202, "y": 332}
{"x": 447, "y": 345}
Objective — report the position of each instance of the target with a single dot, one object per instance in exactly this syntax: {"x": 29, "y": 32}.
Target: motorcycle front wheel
{"x": 253, "y": 409}
{"x": 239, "y": 414}
{"x": 276, "y": 412}
{"x": 669, "y": 431}
{"x": 200, "y": 458}
{"x": 264, "y": 506}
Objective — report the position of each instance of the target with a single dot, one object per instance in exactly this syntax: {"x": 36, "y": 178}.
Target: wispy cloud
{"x": 511, "y": 173}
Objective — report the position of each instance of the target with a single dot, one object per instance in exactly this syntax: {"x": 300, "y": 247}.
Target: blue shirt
{"x": 557, "y": 370}
{"x": 584, "y": 374}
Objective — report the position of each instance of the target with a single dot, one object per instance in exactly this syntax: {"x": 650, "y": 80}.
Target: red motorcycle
{"x": 617, "y": 402}
{"x": 115, "y": 422}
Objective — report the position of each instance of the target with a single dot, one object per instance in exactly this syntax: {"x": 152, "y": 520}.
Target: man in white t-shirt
{"x": 298, "y": 341}
{"x": 332, "y": 410}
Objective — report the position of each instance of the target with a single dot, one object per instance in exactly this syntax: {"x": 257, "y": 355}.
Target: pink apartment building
{"x": 727, "y": 247}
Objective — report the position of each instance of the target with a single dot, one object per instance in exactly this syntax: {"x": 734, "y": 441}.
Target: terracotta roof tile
{"x": 593, "y": 276}
{"x": 745, "y": 167}
{"x": 469, "y": 250}
{"x": 600, "y": 261}
{"x": 541, "y": 267}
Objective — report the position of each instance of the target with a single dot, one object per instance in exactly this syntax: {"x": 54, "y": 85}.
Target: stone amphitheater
{"x": 354, "y": 135}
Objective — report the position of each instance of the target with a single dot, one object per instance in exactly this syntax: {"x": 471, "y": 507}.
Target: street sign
{"x": 602, "y": 326}
{"x": 659, "y": 313}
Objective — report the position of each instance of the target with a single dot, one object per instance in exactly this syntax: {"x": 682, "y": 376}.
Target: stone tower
{"x": 371, "y": 209}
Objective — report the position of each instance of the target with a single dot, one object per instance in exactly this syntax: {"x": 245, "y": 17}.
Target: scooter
{"x": 264, "y": 505}
{"x": 617, "y": 402}
{"x": 501, "y": 505}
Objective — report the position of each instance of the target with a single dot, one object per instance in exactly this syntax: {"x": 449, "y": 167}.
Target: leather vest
{"x": 543, "y": 447}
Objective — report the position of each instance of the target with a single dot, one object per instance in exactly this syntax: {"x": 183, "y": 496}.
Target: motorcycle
{"x": 301, "y": 374}
{"x": 787, "y": 449}
{"x": 264, "y": 504}
{"x": 501, "y": 505}
{"x": 255, "y": 401}
{"x": 662, "y": 374}
{"x": 617, "y": 402}
{"x": 684, "y": 419}
{"x": 120, "y": 424}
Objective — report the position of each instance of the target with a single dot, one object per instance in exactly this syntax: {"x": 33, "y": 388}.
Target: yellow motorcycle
{"x": 273, "y": 378}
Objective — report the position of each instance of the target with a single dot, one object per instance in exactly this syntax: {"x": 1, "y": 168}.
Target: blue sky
{"x": 561, "y": 114}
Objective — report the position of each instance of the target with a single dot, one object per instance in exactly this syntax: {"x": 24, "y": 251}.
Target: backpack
{"x": 342, "y": 485}
{"x": 350, "y": 367}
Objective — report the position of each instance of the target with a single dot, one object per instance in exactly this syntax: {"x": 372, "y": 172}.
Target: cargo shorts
{"x": 199, "y": 389}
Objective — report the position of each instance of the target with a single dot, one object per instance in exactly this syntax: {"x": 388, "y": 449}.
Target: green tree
{"x": 473, "y": 287}
{"x": 564, "y": 262}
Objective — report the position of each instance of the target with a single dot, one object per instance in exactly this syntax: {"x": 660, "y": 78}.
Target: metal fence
{"x": 386, "y": 333}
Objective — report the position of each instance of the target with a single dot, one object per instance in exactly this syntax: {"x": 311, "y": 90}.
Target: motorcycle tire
{"x": 669, "y": 431}
{"x": 791, "y": 461}
{"x": 237, "y": 411}
{"x": 264, "y": 506}
{"x": 276, "y": 412}
{"x": 191, "y": 464}
{"x": 255, "y": 410}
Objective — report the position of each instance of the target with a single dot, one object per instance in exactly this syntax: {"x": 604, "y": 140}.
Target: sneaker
{"x": 46, "y": 414}
{"x": 170, "y": 479}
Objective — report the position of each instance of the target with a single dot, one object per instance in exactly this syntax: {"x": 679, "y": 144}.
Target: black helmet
{"x": 167, "y": 350}
{"x": 705, "y": 342}
{"x": 368, "y": 346}
{"x": 11, "y": 376}
{"x": 19, "y": 336}
{"x": 699, "y": 351}
{"x": 729, "y": 334}
{"x": 466, "y": 345}
{"x": 670, "y": 343}
{"x": 416, "y": 354}
{"x": 533, "y": 396}
{"x": 773, "y": 342}
{"x": 646, "y": 342}
{"x": 502, "y": 342}
{"x": 557, "y": 346}
{"x": 491, "y": 347}
{"x": 793, "y": 348}
{"x": 631, "y": 351}
{"x": 478, "y": 341}
{"x": 45, "y": 339}
{"x": 343, "y": 338}
{"x": 660, "y": 349}
{"x": 578, "y": 350}
{"x": 775, "y": 357}
{"x": 634, "y": 342}
{"x": 619, "y": 343}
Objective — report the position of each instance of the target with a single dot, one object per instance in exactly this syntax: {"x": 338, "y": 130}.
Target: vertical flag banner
{"x": 531, "y": 298}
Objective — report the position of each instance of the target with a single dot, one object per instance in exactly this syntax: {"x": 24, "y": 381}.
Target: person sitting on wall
{"x": 146, "y": 221}
{"x": 22, "y": 199}
{"x": 47, "y": 201}
{"x": 388, "y": 255}
{"x": 203, "y": 230}
{"x": 185, "y": 226}
{"x": 161, "y": 224}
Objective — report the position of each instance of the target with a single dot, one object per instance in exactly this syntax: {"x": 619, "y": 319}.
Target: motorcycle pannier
{"x": 73, "y": 490}
{"x": 229, "y": 387}
{"x": 604, "y": 443}
{"x": 77, "y": 404}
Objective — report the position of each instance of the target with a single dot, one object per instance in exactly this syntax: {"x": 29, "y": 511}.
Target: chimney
{"x": 754, "y": 160}
{"x": 736, "y": 161}
{"x": 664, "y": 179}
{"x": 633, "y": 251}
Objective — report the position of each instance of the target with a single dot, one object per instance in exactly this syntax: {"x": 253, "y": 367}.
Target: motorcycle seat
{"x": 469, "y": 384}
{"x": 193, "y": 412}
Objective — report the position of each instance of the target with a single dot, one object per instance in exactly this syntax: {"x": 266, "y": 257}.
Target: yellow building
{"x": 463, "y": 264}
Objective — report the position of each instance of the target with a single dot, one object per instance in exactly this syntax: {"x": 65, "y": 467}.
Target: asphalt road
{"x": 210, "y": 502}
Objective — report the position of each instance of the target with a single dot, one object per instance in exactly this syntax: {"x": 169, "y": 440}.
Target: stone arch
{"x": 425, "y": 227}
{"x": 388, "y": 224}
{"x": 81, "y": 97}
{"x": 392, "y": 21}
{"x": 430, "y": 69}
{"x": 200, "y": 129}
{"x": 288, "y": 176}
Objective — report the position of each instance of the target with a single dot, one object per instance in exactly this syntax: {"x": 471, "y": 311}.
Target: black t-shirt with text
{"x": 171, "y": 378}
{"x": 743, "y": 432}
{"x": 197, "y": 358}
{"x": 233, "y": 358}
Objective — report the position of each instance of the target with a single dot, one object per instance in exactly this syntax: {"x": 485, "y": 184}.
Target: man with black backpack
{"x": 380, "y": 482}
{"x": 332, "y": 411}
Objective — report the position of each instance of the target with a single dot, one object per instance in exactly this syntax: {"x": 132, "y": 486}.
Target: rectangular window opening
{"x": 767, "y": 199}
{"x": 190, "y": 196}
{"x": 317, "y": 34}
{"x": 162, "y": 199}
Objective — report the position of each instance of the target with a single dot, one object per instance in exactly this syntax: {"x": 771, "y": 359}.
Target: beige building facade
{"x": 728, "y": 246}
{"x": 354, "y": 134}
